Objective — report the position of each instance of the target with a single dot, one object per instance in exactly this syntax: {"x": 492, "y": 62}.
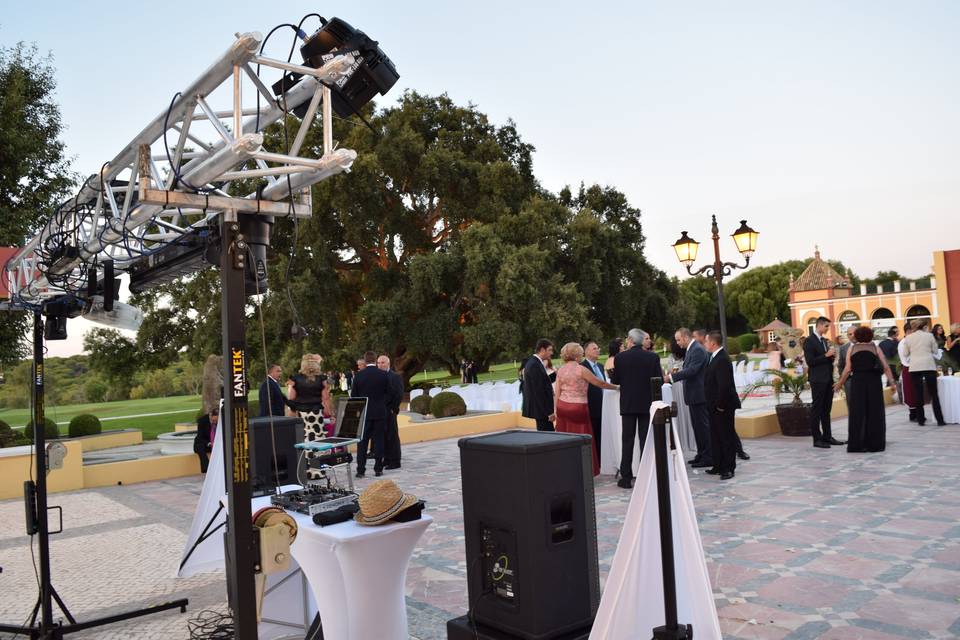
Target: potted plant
{"x": 793, "y": 416}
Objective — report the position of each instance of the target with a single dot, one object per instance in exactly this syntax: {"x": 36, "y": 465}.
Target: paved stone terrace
{"x": 803, "y": 544}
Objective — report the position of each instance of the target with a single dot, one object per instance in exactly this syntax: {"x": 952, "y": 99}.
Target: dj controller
{"x": 314, "y": 499}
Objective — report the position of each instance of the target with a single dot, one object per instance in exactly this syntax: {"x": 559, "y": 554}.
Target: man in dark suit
{"x": 374, "y": 385}
{"x": 591, "y": 351}
{"x": 537, "y": 390}
{"x": 392, "y": 438}
{"x": 694, "y": 367}
{"x": 272, "y": 400}
{"x": 720, "y": 392}
{"x": 819, "y": 356}
{"x": 633, "y": 369}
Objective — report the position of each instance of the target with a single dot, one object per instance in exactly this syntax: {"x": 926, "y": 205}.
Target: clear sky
{"x": 830, "y": 123}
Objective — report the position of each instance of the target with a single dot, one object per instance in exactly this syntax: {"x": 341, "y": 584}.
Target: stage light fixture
{"x": 119, "y": 316}
{"x": 372, "y": 71}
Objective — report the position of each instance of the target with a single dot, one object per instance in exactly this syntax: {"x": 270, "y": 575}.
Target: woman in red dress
{"x": 573, "y": 416}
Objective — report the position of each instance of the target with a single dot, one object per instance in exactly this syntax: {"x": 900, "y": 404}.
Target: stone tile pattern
{"x": 802, "y": 544}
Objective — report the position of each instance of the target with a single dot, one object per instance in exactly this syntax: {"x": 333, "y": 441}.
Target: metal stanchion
{"x": 662, "y": 423}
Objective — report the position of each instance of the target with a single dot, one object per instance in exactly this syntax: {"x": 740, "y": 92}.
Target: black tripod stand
{"x": 35, "y": 498}
{"x": 662, "y": 420}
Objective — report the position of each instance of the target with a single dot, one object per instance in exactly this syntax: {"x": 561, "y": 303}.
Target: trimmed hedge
{"x": 9, "y": 437}
{"x": 421, "y": 404}
{"x": 748, "y": 341}
{"x": 50, "y": 430}
{"x": 446, "y": 404}
{"x": 733, "y": 347}
{"x": 85, "y": 424}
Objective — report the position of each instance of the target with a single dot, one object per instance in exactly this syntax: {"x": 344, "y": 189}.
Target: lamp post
{"x": 686, "y": 249}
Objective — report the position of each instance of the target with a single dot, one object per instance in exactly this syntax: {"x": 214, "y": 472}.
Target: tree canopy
{"x": 439, "y": 244}
{"x": 35, "y": 173}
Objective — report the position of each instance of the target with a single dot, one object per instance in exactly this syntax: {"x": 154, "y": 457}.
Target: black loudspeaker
{"x": 273, "y": 458}
{"x": 531, "y": 532}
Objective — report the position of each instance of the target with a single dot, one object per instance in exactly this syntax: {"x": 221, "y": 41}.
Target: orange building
{"x": 821, "y": 291}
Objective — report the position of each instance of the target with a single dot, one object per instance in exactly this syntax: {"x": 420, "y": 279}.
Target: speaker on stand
{"x": 531, "y": 536}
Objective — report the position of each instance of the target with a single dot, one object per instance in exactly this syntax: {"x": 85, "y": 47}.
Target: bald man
{"x": 392, "y": 436}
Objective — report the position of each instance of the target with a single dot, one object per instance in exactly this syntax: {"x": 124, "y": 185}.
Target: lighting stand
{"x": 241, "y": 555}
{"x": 35, "y": 498}
{"x": 662, "y": 421}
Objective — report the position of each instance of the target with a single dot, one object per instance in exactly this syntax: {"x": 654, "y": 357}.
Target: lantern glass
{"x": 686, "y": 249}
{"x": 746, "y": 239}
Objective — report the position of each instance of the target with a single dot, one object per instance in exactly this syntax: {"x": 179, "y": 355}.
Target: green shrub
{"x": 446, "y": 404}
{"x": 95, "y": 390}
{"x": 421, "y": 404}
{"x": 8, "y": 437}
{"x": 733, "y": 347}
{"x": 85, "y": 424}
{"x": 748, "y": 341}
{"x": 50, "y": 429}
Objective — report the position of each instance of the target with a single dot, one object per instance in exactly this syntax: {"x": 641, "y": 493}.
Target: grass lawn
{"x": 175, "y": 409}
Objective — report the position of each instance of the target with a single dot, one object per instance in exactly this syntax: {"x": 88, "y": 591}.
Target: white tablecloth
{"x": 948, "y": 388}
{"x": 357, "y": 574}
{"x": 683, "y": 423}
{"x": 611, "y": 439}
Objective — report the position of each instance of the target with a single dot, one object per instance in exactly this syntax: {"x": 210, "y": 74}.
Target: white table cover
{"x": 357, "y": 574}
{"x": 611, "y": 439}
{"x": 683, "y": 423}
{"x": 948, "y": 387}
{"x": 632, "y": 601}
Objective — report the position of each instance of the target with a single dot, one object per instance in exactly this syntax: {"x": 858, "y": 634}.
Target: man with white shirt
{"x": 272, "y": 400}
{"x": 906, "y": 384}
{"x": 694, "y": 366}
{"x": 537, "y": 390}
{"x": 591, "y": 351}
{"x": 722, "y": 402}
{"x": 921, "y": 349}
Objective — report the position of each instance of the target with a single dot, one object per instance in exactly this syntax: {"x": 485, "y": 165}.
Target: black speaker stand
{"x": 35, "y": 499}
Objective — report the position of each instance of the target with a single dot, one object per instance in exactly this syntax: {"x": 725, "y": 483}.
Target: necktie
{"x": 823, "y": 341}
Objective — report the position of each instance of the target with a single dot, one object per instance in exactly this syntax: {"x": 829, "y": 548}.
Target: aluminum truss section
{"x": 173, "y": 179}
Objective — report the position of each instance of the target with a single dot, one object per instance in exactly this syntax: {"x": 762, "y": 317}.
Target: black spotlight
{"x": 372, "y": 71}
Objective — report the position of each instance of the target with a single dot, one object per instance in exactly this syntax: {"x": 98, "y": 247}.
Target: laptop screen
{"x": 350, "y": 418}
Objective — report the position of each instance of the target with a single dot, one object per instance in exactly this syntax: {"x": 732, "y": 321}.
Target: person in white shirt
{"x": 921, "y": 351}
{"x": 906, "y": 385}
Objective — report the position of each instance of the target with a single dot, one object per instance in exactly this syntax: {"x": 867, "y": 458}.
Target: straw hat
{"x": 381, "y": 501}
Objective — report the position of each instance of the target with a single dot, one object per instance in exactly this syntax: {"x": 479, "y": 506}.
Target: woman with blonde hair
{"x": 570, "y": 392}
{"x": 309, "y": 393}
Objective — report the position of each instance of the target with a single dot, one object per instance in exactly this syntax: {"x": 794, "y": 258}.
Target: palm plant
{"x": 781, "y": 382}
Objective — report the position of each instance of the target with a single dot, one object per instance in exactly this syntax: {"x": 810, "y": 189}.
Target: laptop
{"x": 351, "y": 417}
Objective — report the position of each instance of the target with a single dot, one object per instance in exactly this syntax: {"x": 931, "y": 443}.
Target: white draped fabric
{"x": 611, "y": 440}
{"x": 948, "y": 388}
{"x": 632, "y": 601}
{"x": 208, "y": 556}
{"x": 683, "y": 423}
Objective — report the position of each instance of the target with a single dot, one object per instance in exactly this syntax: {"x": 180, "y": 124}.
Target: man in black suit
{"x": 591, "y": 351}
{"x": 633, "y": 369}
{"x": 537, "y": 390}
{"x": 374, "y": 385}
{"x": 694, "y": 367}
{"x": 819, "y": 356}
{"x": 392, "y": 438}
{"x": 720, "y": 392}
{"x": 272, "y": 400}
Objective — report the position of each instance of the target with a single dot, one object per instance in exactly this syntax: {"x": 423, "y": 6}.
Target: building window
{"x": 882, "y": 314}
{"x": 918, "y": 311}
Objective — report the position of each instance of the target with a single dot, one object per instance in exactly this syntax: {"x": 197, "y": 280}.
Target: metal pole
{"x": 718, "y": 276}
{"x": 235, "y": 430}
{"x": 40, "y": 450}
{"x": 671, "y": 630}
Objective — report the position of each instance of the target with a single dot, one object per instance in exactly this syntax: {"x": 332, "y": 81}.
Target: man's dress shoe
{"x": 743, "y": 455}
{"x": 726, "y": 476}
{"x": 820, "y": 444}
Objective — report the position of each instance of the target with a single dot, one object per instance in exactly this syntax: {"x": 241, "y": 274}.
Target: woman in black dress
{"x": 309, "y": 393}
{"x": 868, "y": 420}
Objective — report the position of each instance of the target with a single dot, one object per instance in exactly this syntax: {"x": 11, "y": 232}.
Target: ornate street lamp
{"x": 686, "y": 249}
